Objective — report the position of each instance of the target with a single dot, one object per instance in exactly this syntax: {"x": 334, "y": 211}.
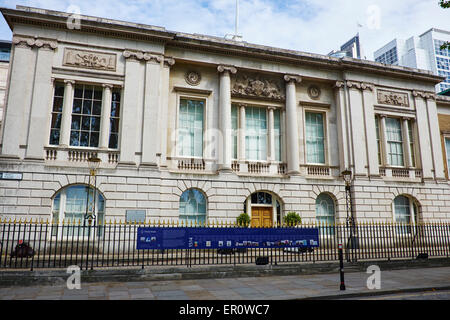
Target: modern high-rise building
{"x": 422, "y": 52}
{"x": 352, "y": 49}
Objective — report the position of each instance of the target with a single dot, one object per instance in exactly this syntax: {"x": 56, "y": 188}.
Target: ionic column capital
{"x": 154, "y": 58}
{"x": 292, "y": 78}
{"x": 28, "y": 42}
{"x": 424, "y": 94}
{"x": 338, "y": 84}
{"x": 69, "y": 82}
{"x": 168, "y": 62}
{"x": 226, "y": 69}
{"x": 107, "y": 86}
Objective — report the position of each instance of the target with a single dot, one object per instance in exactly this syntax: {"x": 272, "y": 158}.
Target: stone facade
{"x": 153, "y": 69}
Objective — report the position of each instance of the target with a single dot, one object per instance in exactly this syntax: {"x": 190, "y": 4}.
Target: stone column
{"x": 341, "y": 118}
{"x": 17, "y": 107}
{"x": 406, "y": 143}
{"x": 131, "y": 92}
{"x": 368, "y": 92}
{"x": 358, "y": 132}
{"x": 225, "y": 115}
{"x": 241, "y": 132}
{"x": 106, "y": 115}
{"x": 164, "y": 107}
{"x": 151, "y": 137}
{"x": 292, "y": 142}
{"x": 66, "y": 117}
{"x": 423, "y": 130}
{"x": 435, "y": 138}
{"x": 271, "y": 135}
{"x": 384, "y": 144}
{"x": 41, "y": 104}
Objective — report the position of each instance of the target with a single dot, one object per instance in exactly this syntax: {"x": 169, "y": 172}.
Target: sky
{"x": 317, "y": 26}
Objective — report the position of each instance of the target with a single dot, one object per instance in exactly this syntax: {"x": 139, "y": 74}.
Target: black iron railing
{"x": 36, "y": 245}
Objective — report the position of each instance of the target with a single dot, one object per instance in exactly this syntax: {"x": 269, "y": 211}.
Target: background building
{"x": 422, "y": 52}
{"x": 351, "y": 49}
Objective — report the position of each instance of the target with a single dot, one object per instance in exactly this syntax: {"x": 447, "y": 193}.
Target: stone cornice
{"x": 29, "y": 42}
{"x": 120, "y": 29}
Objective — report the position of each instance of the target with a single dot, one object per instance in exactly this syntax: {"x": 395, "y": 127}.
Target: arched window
{"x": 192, "y": 207}
{"x": 71, "y": 204}
{"x": 325, "y": 213}
{"x": 405, "y": 213}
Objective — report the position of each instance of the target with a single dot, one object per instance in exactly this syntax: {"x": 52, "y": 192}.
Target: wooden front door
{"x": 261, "y": 217}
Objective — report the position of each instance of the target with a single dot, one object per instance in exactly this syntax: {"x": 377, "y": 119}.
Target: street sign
{"x": 225, "y": 238}
{"x": 11, "y": 176}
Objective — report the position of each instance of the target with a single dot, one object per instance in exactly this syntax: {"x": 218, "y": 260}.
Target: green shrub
{"x": 243, "y": 220}
{"x": 292, "y": 219}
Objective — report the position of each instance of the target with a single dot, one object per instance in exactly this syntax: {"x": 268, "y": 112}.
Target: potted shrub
{"x": 292, "y": 219}
{"x": 243, "y": 220}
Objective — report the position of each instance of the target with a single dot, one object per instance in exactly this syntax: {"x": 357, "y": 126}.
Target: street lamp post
{"x": 93, "y": 163}
{"x": 350, "y": 221}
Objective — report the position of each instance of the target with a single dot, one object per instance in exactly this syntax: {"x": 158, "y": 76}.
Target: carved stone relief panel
{"x": 393, "y": 98}
{"x": 257, "y": 86}
{"x": 89, "y": 59}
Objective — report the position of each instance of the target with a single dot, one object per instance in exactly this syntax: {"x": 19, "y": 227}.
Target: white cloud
{"x": 305, "y": 25}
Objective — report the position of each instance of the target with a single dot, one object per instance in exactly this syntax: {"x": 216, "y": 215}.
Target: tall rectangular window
{"x": 315, "y": 138}
{"x": 377, "y": 129}
{"x": 86, "y": 116}
{"x": 394, "y": 141}
{"x": 255, "y": 133}
{"x": 58, "y": 101}
{"x": 114, "y": 120}
{"x": 277, "y": 133}
{"x": 190, "y": 128}
{"x": 234, "y": 133}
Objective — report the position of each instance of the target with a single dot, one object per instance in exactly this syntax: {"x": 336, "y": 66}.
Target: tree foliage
{"x": 445, "y": 4}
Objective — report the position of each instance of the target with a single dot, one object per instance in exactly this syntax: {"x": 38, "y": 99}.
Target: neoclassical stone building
{"x": 195, "y": 128}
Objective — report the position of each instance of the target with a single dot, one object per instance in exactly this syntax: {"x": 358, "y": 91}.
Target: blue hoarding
{"x": 222, "y": 238}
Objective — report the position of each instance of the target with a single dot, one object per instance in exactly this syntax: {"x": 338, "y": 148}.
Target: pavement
{"x": 274, "y": 287}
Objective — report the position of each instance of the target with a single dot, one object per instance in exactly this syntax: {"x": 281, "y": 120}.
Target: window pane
{"x": 55, "y": 126}
{"x": 402, "y": 214}
{"x": 325, "y": 213}
{"x": 255, "y": 133}
{"x": 395, "y": 141}
{"x": 277, "y": 134}
{"x": 234, "y": 127}
{"x": 190, "y": 133}
{"x": 315, "y": 138}
{"x": 192, "y": 206}
{"x": 86, "y": 116}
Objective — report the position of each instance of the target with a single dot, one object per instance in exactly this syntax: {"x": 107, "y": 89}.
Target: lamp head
{"x": 94, "y": 163}
{"x": 347, "y": 175}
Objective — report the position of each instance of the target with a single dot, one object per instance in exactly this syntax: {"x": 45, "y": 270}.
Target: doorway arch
{"x": 264, "y": 208}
